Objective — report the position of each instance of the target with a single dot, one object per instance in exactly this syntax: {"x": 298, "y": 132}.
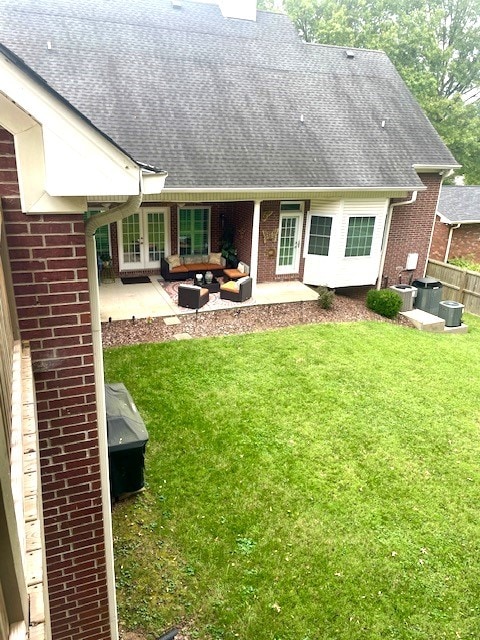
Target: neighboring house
{"x": 457, "y": 224}
{"x": 317, "y": 160}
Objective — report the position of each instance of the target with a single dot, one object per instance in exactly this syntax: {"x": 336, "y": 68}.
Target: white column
{"x": 255, "y": 238}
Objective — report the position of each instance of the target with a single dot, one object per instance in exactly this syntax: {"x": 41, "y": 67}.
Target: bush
{"x": 384, "y": 301}
{"x": 468, "y": 262}
{"x": 326, "y": 297}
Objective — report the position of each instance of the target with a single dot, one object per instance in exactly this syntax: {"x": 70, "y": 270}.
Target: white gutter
{"x": 286, "y": 189}
{"x": 449, "y": 241}
{"x": 386, "y": 234}
{"x": 117, "y": 213}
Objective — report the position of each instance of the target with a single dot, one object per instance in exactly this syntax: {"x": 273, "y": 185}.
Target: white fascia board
{"x": 435, "y": 168}
{"x": 77, "y": 159}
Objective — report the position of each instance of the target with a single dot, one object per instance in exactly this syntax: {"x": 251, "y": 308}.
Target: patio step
{"x": 424, "y": 321}
{"x": 427, "y": 322}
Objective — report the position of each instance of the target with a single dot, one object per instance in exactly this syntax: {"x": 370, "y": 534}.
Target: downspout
{"x": 117, "y": 213}
{"x": 449, "y": 241}
{"x": 386, "y": 233}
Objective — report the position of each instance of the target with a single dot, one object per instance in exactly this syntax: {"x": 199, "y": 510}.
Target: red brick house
{"x": 316, "y": 159}
{"x": 457, "y": 231}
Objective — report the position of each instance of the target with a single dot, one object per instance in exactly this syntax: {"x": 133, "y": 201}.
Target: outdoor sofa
{"x": 178, "y": 267}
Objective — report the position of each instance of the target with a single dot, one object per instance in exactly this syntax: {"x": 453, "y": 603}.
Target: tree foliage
{"x": 434, "y": 45}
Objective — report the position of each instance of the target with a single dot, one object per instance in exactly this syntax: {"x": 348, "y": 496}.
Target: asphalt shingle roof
{"x": 218, "y": 102}
{"x": 460, "y": 204}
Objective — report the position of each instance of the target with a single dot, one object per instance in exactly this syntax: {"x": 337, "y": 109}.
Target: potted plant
{"x": 105, "y": 259}
{"x": 229, "y": 253}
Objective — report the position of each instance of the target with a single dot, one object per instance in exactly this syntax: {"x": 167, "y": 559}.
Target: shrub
{"x": 326, "y": 297}
{"x": 384, "y": 301}
{"x": 468, "y": 262}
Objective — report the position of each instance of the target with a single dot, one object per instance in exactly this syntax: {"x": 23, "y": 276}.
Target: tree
{"x": 434, "y": 45}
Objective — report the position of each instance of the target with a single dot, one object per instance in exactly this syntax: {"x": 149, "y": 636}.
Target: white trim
{"x": 434, "y": 168}
{"x": 299, "y": 215}
{"x": 299, "y": 190}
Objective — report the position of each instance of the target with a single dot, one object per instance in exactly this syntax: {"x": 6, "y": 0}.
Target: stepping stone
{"x": 171, "y": 320}
{"x": 182, "y": 336}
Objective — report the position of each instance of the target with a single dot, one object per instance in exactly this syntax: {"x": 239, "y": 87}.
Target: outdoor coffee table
{"x": 213, "y": 286}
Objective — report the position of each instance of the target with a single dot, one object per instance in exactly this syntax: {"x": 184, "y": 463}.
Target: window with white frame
{"x": 360, "y": 236}
{"x": 320, "y": 232}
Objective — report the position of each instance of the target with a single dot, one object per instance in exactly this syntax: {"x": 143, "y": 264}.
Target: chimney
{"x": 242, "y": 9}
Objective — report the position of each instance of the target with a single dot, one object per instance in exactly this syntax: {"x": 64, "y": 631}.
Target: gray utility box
{"x": 407, "y": 294}
{"x": 429, "y": 294}
{"x": 451, "y": 312}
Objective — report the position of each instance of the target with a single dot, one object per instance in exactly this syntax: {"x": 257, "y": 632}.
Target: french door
{"x": 143, "y": 239}
{"x": 289, "y": 237}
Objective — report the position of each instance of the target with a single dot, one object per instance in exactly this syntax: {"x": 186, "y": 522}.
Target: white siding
{"x": 336, "y": 270}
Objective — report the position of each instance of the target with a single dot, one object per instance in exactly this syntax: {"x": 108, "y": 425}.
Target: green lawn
{"x": 319, "y": 482}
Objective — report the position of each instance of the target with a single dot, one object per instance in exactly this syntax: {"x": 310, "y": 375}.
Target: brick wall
{"x": 49, "y": 270}
{"x": 410, "y": 231}
{"x": 439, "y": 240}
{"x": 466, "y": 242}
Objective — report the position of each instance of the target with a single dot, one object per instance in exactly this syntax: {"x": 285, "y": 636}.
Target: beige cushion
{"x": 190, "y": 259}
{"x": 241, "y": 267}
{"x": 215, "y": 258}
{"x": 242, "y": 280}
{"x": 174, "y": 260}
{"x": 231, "y": 285}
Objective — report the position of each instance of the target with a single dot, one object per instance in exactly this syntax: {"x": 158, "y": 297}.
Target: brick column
{"x": 411, "y": 230}
{"x": 49, "y": 271}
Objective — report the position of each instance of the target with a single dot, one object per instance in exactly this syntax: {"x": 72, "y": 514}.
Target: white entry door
{"x": 143, "y": 239}
{"x": 289, "y": 237}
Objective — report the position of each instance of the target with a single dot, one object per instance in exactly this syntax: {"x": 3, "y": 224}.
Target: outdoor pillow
{"x": 242, "y": 280}
{"x": 215, "y": 258}
{"x": 174, "y": 261}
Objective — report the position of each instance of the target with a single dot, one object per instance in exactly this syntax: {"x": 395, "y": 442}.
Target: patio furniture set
{"x": 206, "y": 271}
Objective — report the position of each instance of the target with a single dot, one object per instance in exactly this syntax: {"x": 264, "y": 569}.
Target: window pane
{"x": 156, "y": 236}
{"x": 320, "y": 231}
{"x": 287, "y": 242}
{"x": 131, "y": 238}
{"x": 360, "y": 235}
{"x": 290, "y": 206}
{"x": 193, "y": 231}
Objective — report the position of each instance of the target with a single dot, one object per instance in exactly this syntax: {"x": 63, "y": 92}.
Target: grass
{"x": 320, "y": 482}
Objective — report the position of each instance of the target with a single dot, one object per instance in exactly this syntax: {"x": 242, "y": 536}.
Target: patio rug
{"x": 136, "y": 280}
{"x": 214, "y": 301}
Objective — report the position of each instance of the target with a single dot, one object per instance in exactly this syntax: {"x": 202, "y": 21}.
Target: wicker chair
{"x": 238, "y": 291}
{"x": 191, "y": 296}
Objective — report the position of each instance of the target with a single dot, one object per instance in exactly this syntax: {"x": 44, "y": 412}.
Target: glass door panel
{"x": 131, "y": 239}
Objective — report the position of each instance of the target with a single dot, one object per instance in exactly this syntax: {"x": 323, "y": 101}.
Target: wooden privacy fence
{"x": 458, "y": 284}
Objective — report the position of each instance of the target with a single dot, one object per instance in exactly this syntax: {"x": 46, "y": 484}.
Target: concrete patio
{"x": 150, "y": 300}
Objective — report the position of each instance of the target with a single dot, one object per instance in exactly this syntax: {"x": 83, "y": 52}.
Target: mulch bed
{"x": 238, "y": 320}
